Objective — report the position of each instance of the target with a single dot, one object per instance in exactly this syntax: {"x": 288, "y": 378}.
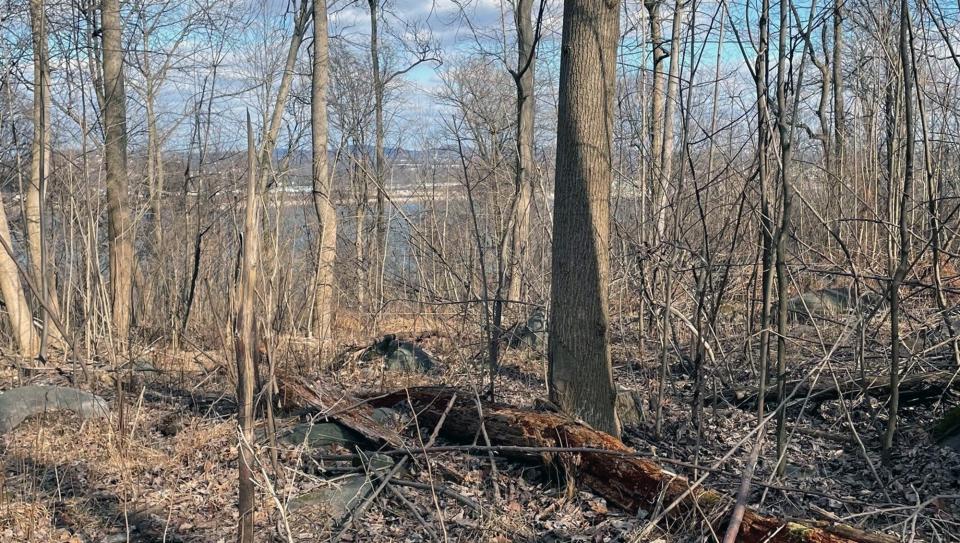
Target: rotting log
{"x": 335, "y": 405}
{"x": 914, "y": 389}
{"x": 627, "y": 481}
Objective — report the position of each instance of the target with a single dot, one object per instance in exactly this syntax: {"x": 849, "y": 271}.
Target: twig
{"x": 361, "y": 509}
{"x": 444, "y": 489}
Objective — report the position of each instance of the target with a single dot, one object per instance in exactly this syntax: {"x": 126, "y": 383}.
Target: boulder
{"x": 18, "y": 404}
{"x": 323, "y": 434}
{"x": 530, "y": 333}
{"x": 399, "y": 355}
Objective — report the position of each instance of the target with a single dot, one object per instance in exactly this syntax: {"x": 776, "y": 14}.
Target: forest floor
{"x": 170, "y": 474}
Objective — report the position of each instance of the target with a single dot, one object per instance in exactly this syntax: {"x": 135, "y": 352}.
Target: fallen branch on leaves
{"x": 914, "y": 389}
{"x": 626, "y": 481}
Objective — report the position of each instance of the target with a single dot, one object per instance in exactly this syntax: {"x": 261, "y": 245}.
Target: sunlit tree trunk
{"x": 326, "y": 213}
{"x": 524, "y": 79}
{"x": 379, "y": 157}
{"x": 580, "y": 373}
{"x": 121, "y": 232}
{"x": 21, "y": 320}
{"x": 41, "y": 150}
{"x": 244, "y": 345}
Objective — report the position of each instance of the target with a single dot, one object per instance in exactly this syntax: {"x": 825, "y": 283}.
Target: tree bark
{"x": 903, "y": 263}
{"x": 41, "y": 151}
{"x": 244, "y": 344}
{"x": 21, "y": 320}
{"x": 379, "y": 158}
{"x": 656, "y": 110}
{"x": 326, "y": 213}
{"x": 580, "y": 375}
{"x": 523, "y": 190}
{"x": 115, "y": 160}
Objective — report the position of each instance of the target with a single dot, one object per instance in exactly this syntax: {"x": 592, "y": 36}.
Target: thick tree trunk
{"x": 607, "y": 466}
{"x": 580, "y": 375}
{"x": 326, "y": 213}
{"x": 523, "y": 190}
{"x": 121, "y": 231}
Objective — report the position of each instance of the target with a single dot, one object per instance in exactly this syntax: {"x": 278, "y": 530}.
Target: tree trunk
{"x": 580, "y": 375}
{"x": 41, "y": 151}
{"x": 21, "y": 320}
{"x": 524, "y": 79}
{"x": 271, "y": 132}
{"x": 783, "y": 232}
{"x": 766, "y": 216}
{"x": 903, "y": 264}
{"x": 244, "y": 344}
{"x": 326, "y": 213}
{"x": 839, "y": 115}
{"x": 673, "y": 95}
{"x": 115, "y": 160}
{"x": 656, "y": 110}
{"x": 379, "y": 158}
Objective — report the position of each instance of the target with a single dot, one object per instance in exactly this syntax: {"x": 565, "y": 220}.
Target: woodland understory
{"x": 535, "y": 270}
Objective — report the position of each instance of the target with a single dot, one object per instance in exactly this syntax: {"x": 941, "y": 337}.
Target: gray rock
{"x": 337, "y": 498}
{"x": 340, "y": 495}
{"x": 531, "y": 332}
{"x": 322, "y": 434}
{"x": 386, "y": 416}
{"x": 400, "y": 355}
{"x": 18, "y": 404}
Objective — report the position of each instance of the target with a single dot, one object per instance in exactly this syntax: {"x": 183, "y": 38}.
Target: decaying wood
{"x": 335, "y": 405}
{"x": 913, "y": 389}
{"x": 626, "y": 481}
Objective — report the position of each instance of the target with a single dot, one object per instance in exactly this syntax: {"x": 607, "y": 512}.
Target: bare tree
{"x": 523, "y": 77}
{"x": 580, "y": 375}
{"x": 41, "y": 150}
{"x": 322, "y": 193}
{"x": 244, "y": 343}
{"x": 903, "y": 260}
{"x": 115, "y": 160}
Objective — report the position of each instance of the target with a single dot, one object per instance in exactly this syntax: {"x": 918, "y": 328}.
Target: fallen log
{"x": 914, "y": 389}
{"x": 626, "y": 481}
{"x": 18, "y": 404}
{"x": 335, "y": 405}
